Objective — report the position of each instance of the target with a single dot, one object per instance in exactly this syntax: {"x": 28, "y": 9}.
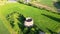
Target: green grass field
{"x": 3, "y": 29}
{"x": 42, "y": 18}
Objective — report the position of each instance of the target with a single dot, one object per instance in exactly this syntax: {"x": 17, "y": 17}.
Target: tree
{"x": 58, "y": 1}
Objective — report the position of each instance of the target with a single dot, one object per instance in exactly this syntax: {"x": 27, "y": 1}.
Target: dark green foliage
{"x": 59, "y": 1}
{"x": 53, "y": 18}
{"x": 20, "y": 24}
{"x": 52, "y": 31}
{"x": 40, "y": 20}
{"x": 21, "y": 18}
{"x": 12, "y": 18}
{"x": 57, "y": 4}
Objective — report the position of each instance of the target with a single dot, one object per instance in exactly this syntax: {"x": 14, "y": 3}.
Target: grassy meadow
{"x": 42, "y": 18}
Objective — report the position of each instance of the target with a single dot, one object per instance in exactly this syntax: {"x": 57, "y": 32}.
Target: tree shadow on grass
{"x": 53, "y": 18}
{"x": 31, "y": 30}
{"x": 10, "y": 18}
{"x": 27, "y": 30}
{"x": 21, "y": 20}
{"x": 52, "y": 32}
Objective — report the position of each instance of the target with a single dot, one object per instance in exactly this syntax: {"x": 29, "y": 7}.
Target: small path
{"x": 43, "y": 6}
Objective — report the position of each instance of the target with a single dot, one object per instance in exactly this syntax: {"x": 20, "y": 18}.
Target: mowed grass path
{"x": 42, "y": 18}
